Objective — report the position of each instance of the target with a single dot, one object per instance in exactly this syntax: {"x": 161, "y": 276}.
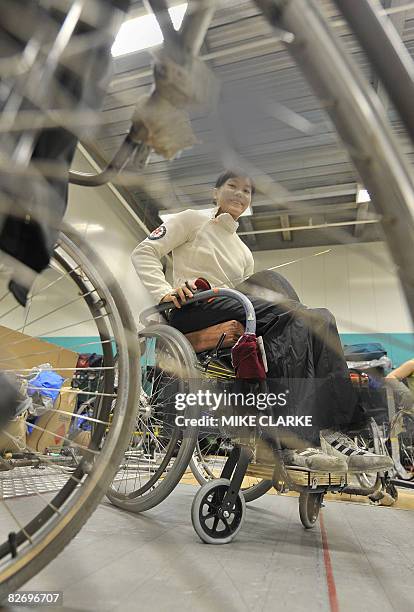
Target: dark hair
{"x": 228, "y": 174}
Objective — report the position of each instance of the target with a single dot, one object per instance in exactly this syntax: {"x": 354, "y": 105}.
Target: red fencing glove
{"x": 202, "y": 284}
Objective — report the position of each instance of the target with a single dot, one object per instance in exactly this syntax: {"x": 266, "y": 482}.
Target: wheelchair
{"x": 232, "y": 469}
{"x": 160, "y": 452}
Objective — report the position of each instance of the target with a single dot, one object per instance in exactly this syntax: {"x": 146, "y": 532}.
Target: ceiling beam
{"x": 317, "y": 209}
{"x": 278, "y": 230}
{"x": 315, "y": 193}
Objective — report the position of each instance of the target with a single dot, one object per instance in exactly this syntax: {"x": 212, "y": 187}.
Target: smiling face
{"x": 234, "y": 196}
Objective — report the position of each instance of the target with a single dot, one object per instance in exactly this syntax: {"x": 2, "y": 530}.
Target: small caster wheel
{"x": 212, "y": 524}
{"x": 309, "y": 506}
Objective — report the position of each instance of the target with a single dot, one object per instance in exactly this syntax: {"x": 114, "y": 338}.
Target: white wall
{"x": 358, "y": 283}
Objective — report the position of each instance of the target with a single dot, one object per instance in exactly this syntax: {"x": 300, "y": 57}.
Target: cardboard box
{"x": 55, "y": 424}
{"x": 83, "y": 438}
{"x": 21, "y": 352}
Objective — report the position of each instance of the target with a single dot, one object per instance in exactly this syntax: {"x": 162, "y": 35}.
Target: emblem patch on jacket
{"x": 158, "y": 233}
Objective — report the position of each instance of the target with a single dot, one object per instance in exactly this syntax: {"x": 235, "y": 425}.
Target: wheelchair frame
{"x": 311, "y": 485}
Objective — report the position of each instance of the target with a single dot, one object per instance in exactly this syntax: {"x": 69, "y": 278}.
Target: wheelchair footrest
{"x": 303, "y": 477}
{"x": 313, "y": 479}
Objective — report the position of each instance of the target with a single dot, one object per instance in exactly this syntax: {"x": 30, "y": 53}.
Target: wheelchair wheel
{"x": 211, "y": 524}
{"x": 158, "y": 452}
{"x": 372, "y": 441}
{"x": 407, "y": 455}
{"x": 402, "y": 440}
{"x": 309, "y": 506}
{"x": 207, "y": 462}
{"x": 77, "y": 289}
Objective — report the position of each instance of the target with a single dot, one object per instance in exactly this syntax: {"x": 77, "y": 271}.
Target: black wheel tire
{"x": 217, "y": 487}
{"x": 309, "y": 506}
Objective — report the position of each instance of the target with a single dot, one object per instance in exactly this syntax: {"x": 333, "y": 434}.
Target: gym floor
{"x": 358, "y": 557}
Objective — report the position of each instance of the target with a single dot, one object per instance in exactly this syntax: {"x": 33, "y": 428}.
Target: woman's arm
{"x": 147, "y": 256}
{"x": 403, "y": 371}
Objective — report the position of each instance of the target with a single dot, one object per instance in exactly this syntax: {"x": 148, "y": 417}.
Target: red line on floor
{"x": 333, "y": 599}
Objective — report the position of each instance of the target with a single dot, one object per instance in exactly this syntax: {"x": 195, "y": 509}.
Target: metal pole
{"x": 387, "y": 53}
{"x": 196, "y": 23}
{"x": 360, "y": 121}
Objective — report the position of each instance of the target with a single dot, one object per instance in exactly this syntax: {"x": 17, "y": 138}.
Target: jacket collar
{"x": 225, "y": 220}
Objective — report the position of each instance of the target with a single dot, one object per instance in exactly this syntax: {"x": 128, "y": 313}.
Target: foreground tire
{"x": 45, "y": 526}
{"x": 209, "y": 521}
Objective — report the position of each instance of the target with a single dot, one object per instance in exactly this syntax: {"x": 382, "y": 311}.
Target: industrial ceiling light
{"x": 362, "y": 195}
{"x": 143, "y": 32}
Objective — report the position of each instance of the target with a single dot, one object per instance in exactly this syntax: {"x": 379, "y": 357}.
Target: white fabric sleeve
{"x": 146, "y": 257}
{"x": 249, "y": 269}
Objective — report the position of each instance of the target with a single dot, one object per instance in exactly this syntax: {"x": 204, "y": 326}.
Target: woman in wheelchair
{"x": 300, "y": 343}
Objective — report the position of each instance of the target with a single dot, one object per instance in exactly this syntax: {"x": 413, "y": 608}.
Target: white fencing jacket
{"x": 200, "y": 246}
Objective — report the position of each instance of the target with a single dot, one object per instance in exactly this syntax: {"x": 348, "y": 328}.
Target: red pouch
{"x": 246, "y": 358}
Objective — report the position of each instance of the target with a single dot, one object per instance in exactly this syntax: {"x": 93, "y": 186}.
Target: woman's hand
{"x": 179, "y": 294}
